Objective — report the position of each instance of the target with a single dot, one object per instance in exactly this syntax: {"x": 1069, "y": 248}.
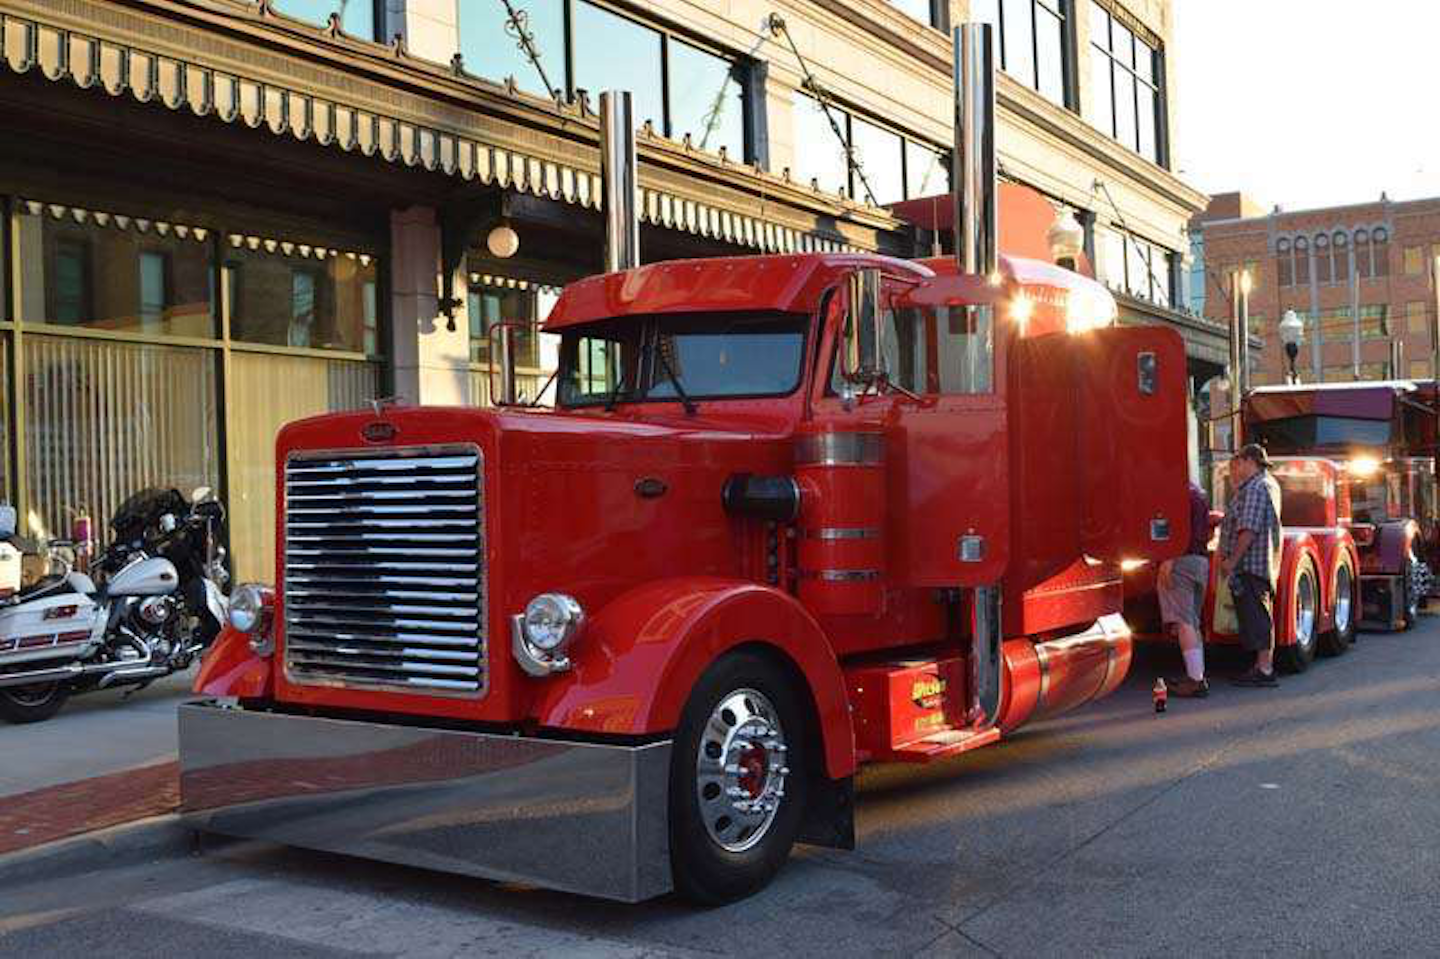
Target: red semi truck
{"x": 790, "y": 515}
{"x": 1383, "y": 436}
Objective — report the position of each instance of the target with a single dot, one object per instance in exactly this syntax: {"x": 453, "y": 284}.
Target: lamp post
{"x": 1292, "y": 334}
{"x": 1067, "y": 239}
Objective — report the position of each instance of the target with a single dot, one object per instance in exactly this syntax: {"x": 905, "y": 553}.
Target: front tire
{"x": 738, "y": 780}
{"x": 32, "y": 704}
{"x": 1338, "y": 641}
{"x": 1306, "y": 603}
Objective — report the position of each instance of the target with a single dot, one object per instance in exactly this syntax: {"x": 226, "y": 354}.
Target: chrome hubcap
{"x": 740, "y": 770}
{"x": 1305, "y": 611}
{"x": 1343, "y": 590}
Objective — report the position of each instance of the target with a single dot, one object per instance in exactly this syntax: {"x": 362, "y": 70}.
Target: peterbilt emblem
{"x": 972, "y": 548}
{"x": 378, "y": 432}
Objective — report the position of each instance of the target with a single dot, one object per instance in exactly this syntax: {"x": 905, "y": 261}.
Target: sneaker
{"x": 1187, "y": 688}
{"x": 1254, "y": 677}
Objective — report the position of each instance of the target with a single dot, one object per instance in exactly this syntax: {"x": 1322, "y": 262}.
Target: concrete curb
{"x": 127, "y": 844}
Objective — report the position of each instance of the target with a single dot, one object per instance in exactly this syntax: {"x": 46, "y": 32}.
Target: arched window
{"x": 1322, "y": 259}
{"x": 1362, "y": 253}
{"x": 1284, "y": 264}
{"x": 1302, "y": 261}
{"x": 1380, "y": 251}
{"x": 1341, "y": 248}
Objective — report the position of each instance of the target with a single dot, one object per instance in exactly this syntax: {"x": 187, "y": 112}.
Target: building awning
{"x": 418, "y": 133}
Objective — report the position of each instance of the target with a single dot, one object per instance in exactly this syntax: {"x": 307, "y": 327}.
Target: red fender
{"x": 636, "y": 661}
{"x": 1392, "y": 544}
{"x": 230, "y": 668}
{"x": 1298, "y": 545}
{"x": 1336, "y": 547}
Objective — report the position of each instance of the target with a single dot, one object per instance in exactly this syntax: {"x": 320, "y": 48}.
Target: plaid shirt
{"x": 1256, "y": 507}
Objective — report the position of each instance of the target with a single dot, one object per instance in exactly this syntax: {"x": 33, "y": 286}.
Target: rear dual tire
{"x": 1343, "y": 606}
{"x": 1303, "y": 611}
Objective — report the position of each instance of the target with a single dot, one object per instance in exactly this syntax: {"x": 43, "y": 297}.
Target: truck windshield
{"x": 1301, "y": 433}
{"x": 712, "y": 355}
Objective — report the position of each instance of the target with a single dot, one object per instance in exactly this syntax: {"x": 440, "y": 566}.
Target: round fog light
{"x": 247, "y": 607}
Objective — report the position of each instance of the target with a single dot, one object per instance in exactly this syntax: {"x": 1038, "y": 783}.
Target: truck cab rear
{"x": 790, "y": 515}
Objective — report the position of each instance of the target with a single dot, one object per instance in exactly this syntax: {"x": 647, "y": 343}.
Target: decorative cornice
{"x": 242, "y": 63}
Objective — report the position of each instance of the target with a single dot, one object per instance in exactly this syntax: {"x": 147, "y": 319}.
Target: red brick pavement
{"x": 45, "y": 815}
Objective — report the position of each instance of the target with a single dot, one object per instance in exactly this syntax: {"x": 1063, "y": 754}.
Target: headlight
{"x": 550, "y": 620}
{"x": 247, "y": 607}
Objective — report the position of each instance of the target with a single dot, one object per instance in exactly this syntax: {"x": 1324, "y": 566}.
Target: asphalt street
{"x": 95, "y": 734}
{"x": 1302, "y": 819}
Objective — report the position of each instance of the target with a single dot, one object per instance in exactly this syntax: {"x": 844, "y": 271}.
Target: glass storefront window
{"x": 491, "y": 51}
{"x": 325, "y": 302}
{"x": 106, "y": 419}
{"x": 926, "y": 171}
{"x": 819, "y": 156}
{"x": 881, "y": 155}
{"x": 706, "y": 101}
{"x": 357, "y": 17}
{"x": 491, "y": 306}
{"x": 122, "y": 274}
{"x": 613, "y": 53}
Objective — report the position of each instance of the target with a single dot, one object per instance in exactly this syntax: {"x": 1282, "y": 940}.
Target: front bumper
{"x": 580, "y": 817}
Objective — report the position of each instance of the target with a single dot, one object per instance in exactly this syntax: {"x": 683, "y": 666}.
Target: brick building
{"x": 1358, "y": 276}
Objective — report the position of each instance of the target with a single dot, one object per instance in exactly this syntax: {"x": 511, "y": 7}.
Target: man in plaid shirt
{"x": 1250, "y": 545}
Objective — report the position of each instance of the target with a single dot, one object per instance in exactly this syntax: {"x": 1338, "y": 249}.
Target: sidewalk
{"x": 103, "y": 761}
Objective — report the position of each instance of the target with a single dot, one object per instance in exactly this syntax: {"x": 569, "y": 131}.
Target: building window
{"x": 1259, "y": 325}
{"x": 1197, "y": 275}
{"x": 357, "y": 17}
{"x": 1322, "y": 259}
{"x": 1414, "y": 260}
{"x": 491, "y": 301}
{"x": 1129, "y": 96}
{"x": 1380, "y": 251}
{"x": 106, "y": 276}
{"x": 323, "y": 300}
{"x": 1362, "y": 253}
{"x": 932, "y": 14}
{"x": 1134, "y": 266}
{"x": 1417, "y": 321}
{"x": 1284, "y": 264}
{"x": 894, "y": 167}
{"x": 677, "y": 87}
{"x": 1302, "y": 261}
{"x": 1032, "y": 42}
{"x": 1375, "y": 322}
{"x": 1341, "y": 249}
{"x": 1420, "y": 369}
{"x": 1252, "y": 268}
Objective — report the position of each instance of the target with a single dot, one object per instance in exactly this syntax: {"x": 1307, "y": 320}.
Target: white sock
{"x": 1194, "y": 663}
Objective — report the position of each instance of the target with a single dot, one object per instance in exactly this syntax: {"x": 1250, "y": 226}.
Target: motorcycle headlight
{"x": 247, "y": 607}
{"x": 550, "y": 620}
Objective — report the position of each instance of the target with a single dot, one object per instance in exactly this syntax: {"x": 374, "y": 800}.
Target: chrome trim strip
{"x": 842, "y": 575}
{"x": 840, "y": 449}
{"x": 841, "y": 532}
{"x": 587, "y": 818}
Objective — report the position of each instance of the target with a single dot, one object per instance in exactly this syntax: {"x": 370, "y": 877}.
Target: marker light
{"x": 1021, "y": 309}
{"x": 1363, "y": 466}
{"x": 1129, "y": 565}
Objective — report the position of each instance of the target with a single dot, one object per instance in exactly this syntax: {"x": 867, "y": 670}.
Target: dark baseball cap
{"x": 1256, "y": 454}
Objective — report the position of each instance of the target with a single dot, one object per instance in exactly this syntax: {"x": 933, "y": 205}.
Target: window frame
{"x": 1156, "y": 83}
{"x": 844, "y": 116}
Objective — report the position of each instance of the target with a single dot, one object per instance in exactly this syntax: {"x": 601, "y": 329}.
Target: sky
{"x": 1309, "y": 103}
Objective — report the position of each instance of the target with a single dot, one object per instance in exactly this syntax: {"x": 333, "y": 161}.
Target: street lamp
{"x": 1292, "y": 333}
{"x": 1066, "y": 238}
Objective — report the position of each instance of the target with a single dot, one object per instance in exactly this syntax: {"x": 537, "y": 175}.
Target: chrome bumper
{"x": 579, "y": 817}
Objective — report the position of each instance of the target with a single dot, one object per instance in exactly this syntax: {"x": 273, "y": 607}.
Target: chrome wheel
{"x": 1344, "y": 599}
{"x": 740, "y": 770}
{"x": 1305, "y": 604}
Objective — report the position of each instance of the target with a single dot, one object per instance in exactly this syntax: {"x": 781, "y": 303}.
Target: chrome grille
{"x": 384, "y": 570}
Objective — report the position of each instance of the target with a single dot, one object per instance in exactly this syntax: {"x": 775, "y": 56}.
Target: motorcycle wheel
{"x": 32, "y": 704}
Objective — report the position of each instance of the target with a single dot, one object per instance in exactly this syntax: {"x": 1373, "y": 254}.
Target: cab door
{"x": 1133, "y": 466}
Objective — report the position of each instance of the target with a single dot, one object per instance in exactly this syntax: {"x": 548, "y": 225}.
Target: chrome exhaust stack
{"x": 976, "y": 226}
{"x": 618, "y": 181}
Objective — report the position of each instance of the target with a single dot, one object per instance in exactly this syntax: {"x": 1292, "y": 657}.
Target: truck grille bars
{"x": 384, "y": 570}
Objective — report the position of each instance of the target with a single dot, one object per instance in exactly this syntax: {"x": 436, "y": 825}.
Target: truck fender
{"x": 231, "y": 668}
{"x": 1393, "y": 542}
{"x": 635, "y": 662}
{"x": 1297, "y": 546}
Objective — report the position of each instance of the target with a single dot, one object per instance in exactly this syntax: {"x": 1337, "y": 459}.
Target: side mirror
{"x": 863, "y": 356}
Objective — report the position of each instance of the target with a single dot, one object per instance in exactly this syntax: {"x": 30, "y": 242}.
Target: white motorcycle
{"x": 65, "y": 635}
